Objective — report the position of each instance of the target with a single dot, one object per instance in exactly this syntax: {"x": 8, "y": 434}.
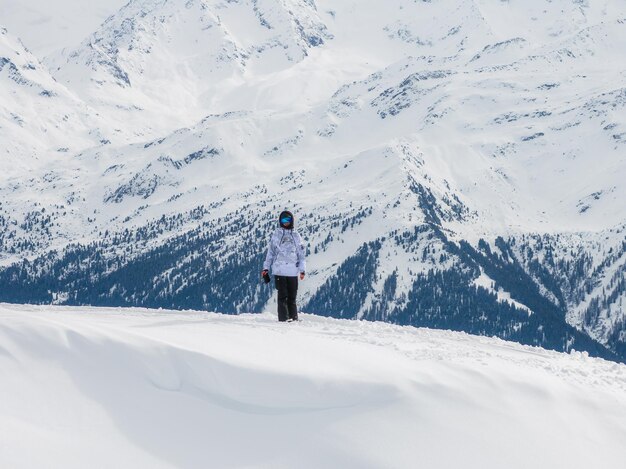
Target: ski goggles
{"x": 286, "y": 220}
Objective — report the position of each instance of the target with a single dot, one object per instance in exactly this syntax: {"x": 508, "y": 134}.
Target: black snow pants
{"x": 287, "y": 291}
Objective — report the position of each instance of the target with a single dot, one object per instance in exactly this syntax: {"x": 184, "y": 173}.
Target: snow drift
{"x": 87, "y": 387}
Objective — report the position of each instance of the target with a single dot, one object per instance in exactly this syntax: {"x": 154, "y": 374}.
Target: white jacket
{"x": 285, "y": 253}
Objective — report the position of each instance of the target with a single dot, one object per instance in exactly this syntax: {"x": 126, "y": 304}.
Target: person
{"x": 286, "y": 258}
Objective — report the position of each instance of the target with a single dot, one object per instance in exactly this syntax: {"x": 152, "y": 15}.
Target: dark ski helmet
{"x": 286, "y": 220}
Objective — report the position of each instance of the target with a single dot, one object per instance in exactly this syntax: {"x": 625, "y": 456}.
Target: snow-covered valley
{"x": 475, "y": 148}
{"x": 129, "y": 388}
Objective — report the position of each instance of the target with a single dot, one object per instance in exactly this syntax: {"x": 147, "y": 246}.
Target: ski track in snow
{"x": 145, "y": 388}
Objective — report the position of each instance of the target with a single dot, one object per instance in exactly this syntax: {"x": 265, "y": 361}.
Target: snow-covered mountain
{"x": 87, "y": 387}
{"x": 455, "y": 164}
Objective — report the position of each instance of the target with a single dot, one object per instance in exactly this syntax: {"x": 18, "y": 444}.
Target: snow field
{"x": 89, "y": 387}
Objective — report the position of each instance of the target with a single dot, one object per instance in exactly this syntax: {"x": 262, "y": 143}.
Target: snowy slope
{"x": 139, "y": 388}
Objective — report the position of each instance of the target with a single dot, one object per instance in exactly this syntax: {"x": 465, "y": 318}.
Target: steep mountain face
{"x": 156, "y": 64}
{"x": 38, "y": 116}
{"x": 451, "y": 164}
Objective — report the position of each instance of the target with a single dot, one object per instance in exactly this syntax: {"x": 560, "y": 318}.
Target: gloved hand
{"x": 266, "y": 275}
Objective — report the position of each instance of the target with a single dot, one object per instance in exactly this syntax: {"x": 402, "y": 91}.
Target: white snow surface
{"x": 133, "y": 388}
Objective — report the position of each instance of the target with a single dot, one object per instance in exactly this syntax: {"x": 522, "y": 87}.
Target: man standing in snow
{"x": 285, "y": 256}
